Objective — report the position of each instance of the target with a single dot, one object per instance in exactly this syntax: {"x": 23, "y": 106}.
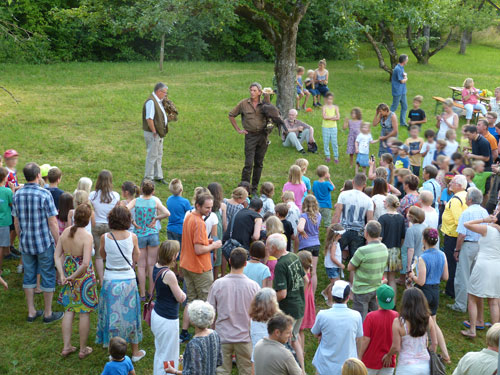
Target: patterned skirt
{"x": 81, "y": 296}
{"x": 394, "y": 263}
{"x": 119, "y": 312}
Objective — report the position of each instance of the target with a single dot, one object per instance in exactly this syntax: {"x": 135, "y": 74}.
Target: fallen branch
{"x": 11, "y": 95}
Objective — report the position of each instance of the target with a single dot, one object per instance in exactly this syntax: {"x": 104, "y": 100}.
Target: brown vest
{"x": 159, "y": 119}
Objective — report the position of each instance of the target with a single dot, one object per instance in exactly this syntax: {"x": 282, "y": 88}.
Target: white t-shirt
{"x": 210, "y": 222}
{"x": 429, "y": 157}
{"x": 378, "y": 200}
{"x": 101, "y": 209}
{"x": 356, "y": 204}
{"x": 364, "y": 143}
{"x": 431, "y": 218}
{"x": 450, "y": 149}
{"x": 338, "y": 255}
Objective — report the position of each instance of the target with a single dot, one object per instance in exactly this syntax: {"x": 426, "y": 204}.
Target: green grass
{"x": 84, "y": 117}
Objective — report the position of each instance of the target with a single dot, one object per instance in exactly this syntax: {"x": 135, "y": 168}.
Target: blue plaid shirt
{"x": 473, "y": 212}
{"x": 33, "y": 205}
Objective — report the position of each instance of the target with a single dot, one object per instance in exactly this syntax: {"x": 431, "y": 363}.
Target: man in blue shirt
{"x": 467, "y": 247}
{"x": 398, "y": 83}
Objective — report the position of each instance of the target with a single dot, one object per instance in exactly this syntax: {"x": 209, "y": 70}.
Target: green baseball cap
{"x": 44, "y": 170}
{"x": 385, "y": 297}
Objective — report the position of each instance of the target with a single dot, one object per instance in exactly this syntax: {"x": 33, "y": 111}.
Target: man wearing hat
{"x": 340, "y": 330}
{"x": 377, "y": 333}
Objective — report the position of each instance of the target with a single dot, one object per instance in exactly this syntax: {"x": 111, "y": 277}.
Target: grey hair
{"x": 277, "y": 241}
{"x": 293, "y": 110}
{"x": 461, "y": 180}
{"x": 160, "y": 86}
{"x": 474, "y": 195}
{"x": 256, "y": 84}
{"x": 201, "y": 313}
{"x": 266, "y": 296}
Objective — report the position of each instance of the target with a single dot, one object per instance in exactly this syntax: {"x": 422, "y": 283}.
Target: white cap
{"x": 338, "y": 289}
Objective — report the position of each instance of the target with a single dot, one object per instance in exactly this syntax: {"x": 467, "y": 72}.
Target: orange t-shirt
{"x": 194, "y": 232}
{"x": 492, "y": 140}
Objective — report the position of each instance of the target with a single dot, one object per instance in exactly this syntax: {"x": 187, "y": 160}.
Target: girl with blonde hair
{"x": 296, "y": 185}
{"x": 470, "y": 99}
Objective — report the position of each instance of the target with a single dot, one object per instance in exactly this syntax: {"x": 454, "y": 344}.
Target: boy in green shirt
{"x": 480, "y": 176}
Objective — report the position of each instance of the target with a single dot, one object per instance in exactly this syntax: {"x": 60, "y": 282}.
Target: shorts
{"x": 296, "y": 328}
{"x": 42, "y": 263}
{"x": 326, "y": 216}
{"x": 5, "y": 236}
{"x": 333, "y": 272}
{"x": 97, "y": 232}
{"x": 352, "y": 239}
{"x": 299, "y": 91}
{"x": 394, "y": 260}
{"x": 197, "y": 284}
{"x": 431, "y": 292}
{"x": 149, "y": 240}
{"x": 323, "y": 89}
{"x": 314, "y": 250}
{"x": 363, "y": 160}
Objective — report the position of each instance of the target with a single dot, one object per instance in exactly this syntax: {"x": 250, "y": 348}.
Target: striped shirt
{"x": 33, "y": 205}
{"x": 370, "y": 262}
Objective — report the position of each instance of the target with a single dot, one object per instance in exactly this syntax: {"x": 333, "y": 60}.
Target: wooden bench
{"x": 440, "y": 101}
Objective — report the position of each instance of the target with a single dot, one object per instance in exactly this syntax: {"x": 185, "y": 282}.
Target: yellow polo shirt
{"x": 452, "y": 212}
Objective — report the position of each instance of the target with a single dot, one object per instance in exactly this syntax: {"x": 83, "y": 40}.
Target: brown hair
{"x": 54, "y": 174}
{"x": 267, "y": 189}
{"x": 416, "y": 215}
{"x": 379, "y": 186}
{"x": 119, "y": 218}
{"x": 104, "y": 184}
{"x": 147, "y": 187}
{"x": 311, "y": 208}
{"x": 281, "y": 209}
{"x": 239, "y": 193}
{"x": 216, "y": 190}
{"x": 131, "y": 188}
{"x": 412, "y": 181}
{"x": 274, "y": 225}
{"x": 65, "y": 206}
{"x": 117, "y": 347}
{"x": 306, "y": 259}
{"x": 322, "y": 170}
{"x": 415, "y": 310}
{"x": 3, "y": 173}
{"x": 264, "y": 305}
{"x": 357, "y": 113}
{"x": 81, "y": 218}
{"x": 382, "y": 107}
{"x": 288, "y": 196}
{"x": 331, "y": 232}
{"x": 167, "y": 253}
{"x": 258, "y": 250}
{"x": 238, "y": 258}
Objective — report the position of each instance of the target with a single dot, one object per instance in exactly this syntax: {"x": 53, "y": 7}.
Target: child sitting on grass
{"x": 310, "y": 86}
{"x": 301, "y": 90}
{"x": 480, "y": 176}
{"x": 416, "y": 114}
{"x": 120, "y": 363}
{"x": 354, "y": 124}
{"x": 333, "y": 259}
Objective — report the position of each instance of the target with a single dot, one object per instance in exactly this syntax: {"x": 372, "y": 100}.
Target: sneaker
{"x": 324, "y": 295}
{"x": 336, "y": 161}
{"x": 328, "y": 160}
{"x": 15, "y": 251}
{"x": 454, "y": 307}
{"x": 56, "y": 315}
{"x": 31, "y": 319}
{"x": 184, "y": 337}
{"x": 19, "y": 268}
{"x": 302, "y": 151}
{"x": 137, "y": 358}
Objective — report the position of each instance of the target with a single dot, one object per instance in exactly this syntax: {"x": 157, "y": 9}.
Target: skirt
{"x": 394, "y": 263}
{"x": 119, "y": 312}
{"x": 81, "y": 295}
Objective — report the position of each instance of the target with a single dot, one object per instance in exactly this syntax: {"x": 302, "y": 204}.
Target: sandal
{"x": 446, "y": 360}
{"x": 85, "y": 353}
{"x": 137, "y": 358}
{"x": 68, "y": 351}
{"x": 468, "y": 334}
{"x": 466, "y": 324}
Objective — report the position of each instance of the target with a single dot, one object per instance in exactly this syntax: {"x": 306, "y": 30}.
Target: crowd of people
{"x": 246, "y": 268}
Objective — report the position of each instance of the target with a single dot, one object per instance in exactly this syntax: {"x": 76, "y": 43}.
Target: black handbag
{"x": 437, "y": 365}
{"x": 124, "y": 257}
{"x": 231, "y": 243}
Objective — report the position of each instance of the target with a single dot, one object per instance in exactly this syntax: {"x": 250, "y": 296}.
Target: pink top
{"x": 299, "y": 191}
{"x": 472, "y": 99}
{"x": 310, "y": 310}
{"x": 413, "y": 349}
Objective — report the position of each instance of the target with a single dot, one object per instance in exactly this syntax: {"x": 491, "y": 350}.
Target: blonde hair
{"x": 322, "y": 61}
{"x": 441, "y": 142}
{"x": 469, "y": 172}
{"x": 175, "y": 186}
{"x": 198, "y": 191}
{"x": 295, "y": 175}
{"x": 387, "y": 158}
{"x": 84, "y": 183}
{"x": 476, "y": 163}
{"x": 418, "y": 98}
{"x": 441, "y": 158}
{"x": 392, "y": 201}
{"x": 331, "y": 232}
{"x": 274, "y": 225}
{"x": 80, "y": 197}
{"x": 306, "y": 259}
{"x": 448, "y": 102}
{"x": 264, "y": 305}
{"x": 302, "y": 163}
{"x": 167, "y": 253}
{"x": 449, "y": 133}
{"x": 403, "y": 172}
{"x": 493, "y": 335}
{"x": 322, "y": 170}
{"x": 288, "y": 196}
{"x": 468, "y": 83}
{"x": 381, "y": 172}
{"x": 239, "y": 193}
{"x": 354, "y": 366}
{"x": 311, "y": 208}
{"x": 300, "y": 69}
{"x": 310, "y": 71}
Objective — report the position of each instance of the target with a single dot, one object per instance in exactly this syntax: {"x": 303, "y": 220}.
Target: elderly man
{"x": 36, "y": 226}
{"x": 451, "y": 215}
{"x": 481, "y": 148}
{"x": 467, "y": 247}
{"x": 254, "y": 124}
{"x": 289, "y": 280}
{"x": 154, "y": 124}
{"x": 398, "y": 84}
{"x": 482, "y": 128}
{"x": 485, "y": 361}
{"x": 298, "y": 132}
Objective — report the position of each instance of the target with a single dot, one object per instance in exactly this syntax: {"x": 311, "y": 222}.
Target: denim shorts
{"x": 5, "y": 236}
{"x": 150, "y": 240}
{"x": 363, "y": 160}
{"x": 333, "y": 272}
{"x": 44, "y": 264}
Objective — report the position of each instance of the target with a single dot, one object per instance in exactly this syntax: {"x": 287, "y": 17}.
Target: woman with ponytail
{"x": 79, "y": 292}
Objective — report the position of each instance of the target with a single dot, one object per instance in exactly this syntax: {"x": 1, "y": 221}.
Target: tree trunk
{"x": 466, "y": 38}
{"x": 380, "y": 57}
{"x": 426, "y": 45}
{"x": 284, "y": 68}
{"x": 162, "y": 51}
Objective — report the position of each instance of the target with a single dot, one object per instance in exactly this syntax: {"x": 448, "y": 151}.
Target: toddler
{"x": 120, "y": 363}
{"x": 402, "y": 160}
{"x": 354, "y": 125}
{"x": 451, "y": 144}
{"x": 417, "y": 115}
{"x": 310, "y": 86}
{"x": 362, "y": 147}
{"x": 322, "y": 189}
{"x": 480, "y": 176}
{"x": 415, "y": 144}
{"x": 469, "y": 175}
{"x": 429, "y": 148}
{"x": 266, "y": 195}
{"x": 309, "y": 318}
{"x": 304, "y": 164}
{"x": 470, "y": 99}
{"x": 296, "y": 185}
{"x": 329, "y": 127}
{"x": 301, "y": 91}
{"x": 333, "y": 259}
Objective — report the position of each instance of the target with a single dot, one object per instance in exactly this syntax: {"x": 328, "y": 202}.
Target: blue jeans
{"x": 330, "y": 136}
{"x": 404, "y": 107}
{"x": 44, "y": 264}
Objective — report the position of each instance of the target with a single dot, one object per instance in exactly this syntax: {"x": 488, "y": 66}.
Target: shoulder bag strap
{"x": 159, "y": 275}
{"x": 232, "y": 226}
{"x": 121, "y": 252}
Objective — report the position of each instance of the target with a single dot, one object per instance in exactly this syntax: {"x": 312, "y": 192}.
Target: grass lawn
{"x": 84, "y": 117}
